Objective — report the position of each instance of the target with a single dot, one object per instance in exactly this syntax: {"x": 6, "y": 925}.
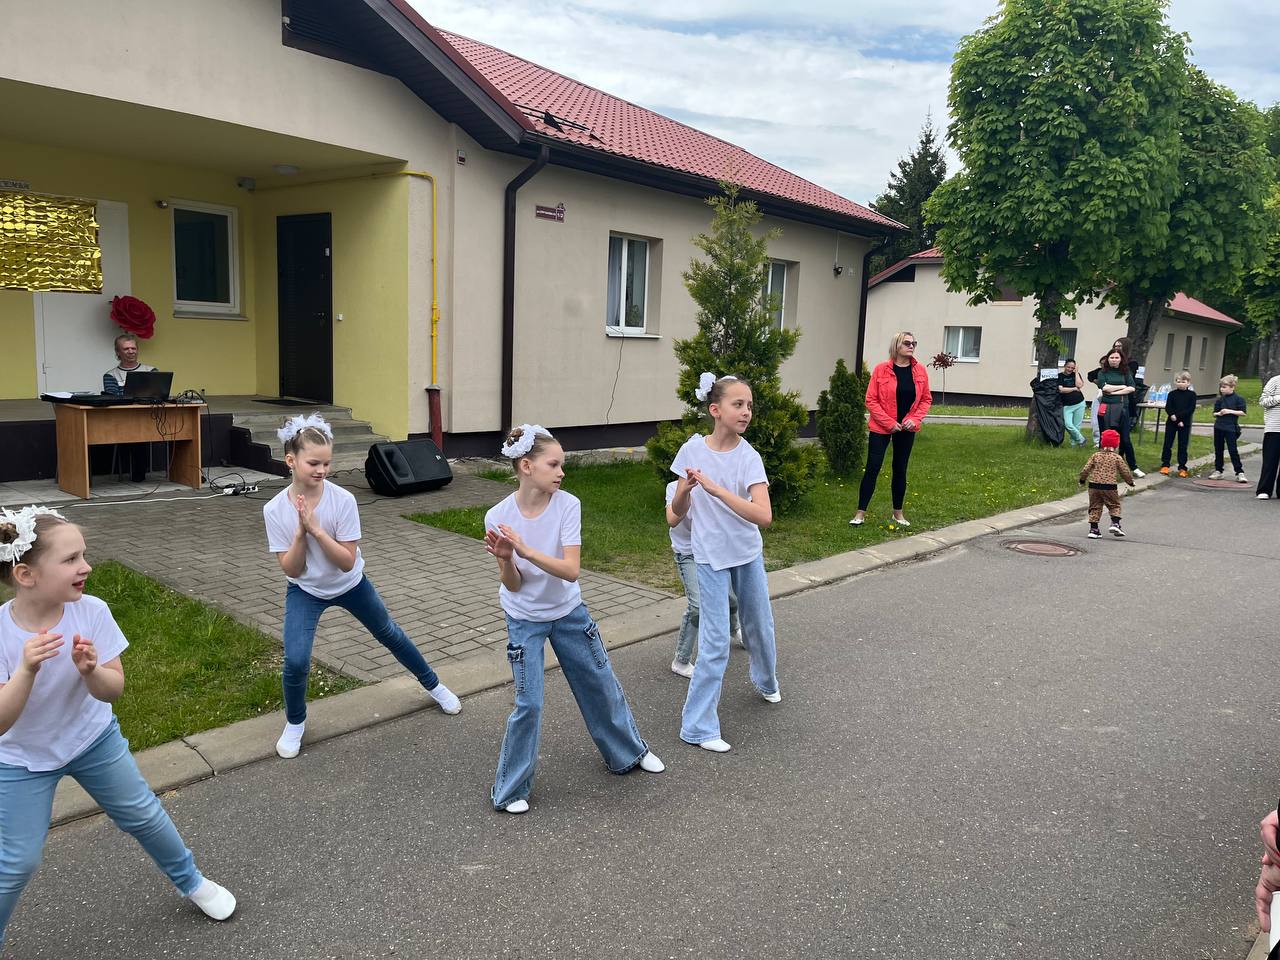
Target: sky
{"x": 833, "y": 90}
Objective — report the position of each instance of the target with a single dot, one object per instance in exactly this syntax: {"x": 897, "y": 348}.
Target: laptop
{"x": 147, "y": 384}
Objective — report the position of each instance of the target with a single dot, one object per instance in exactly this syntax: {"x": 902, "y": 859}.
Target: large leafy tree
{"x": 1065, "y": 117}
{"x": 1216, "y": 223}
{"x": 1263, "y": 298}
{"x": 736, "y": 335}
{"x": 919, "y": 174}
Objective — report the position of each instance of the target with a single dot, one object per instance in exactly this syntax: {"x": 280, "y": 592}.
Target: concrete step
{"x": 352, "y": 438}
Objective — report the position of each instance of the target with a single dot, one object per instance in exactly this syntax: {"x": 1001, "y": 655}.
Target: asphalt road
{"x": 978, "y": 755}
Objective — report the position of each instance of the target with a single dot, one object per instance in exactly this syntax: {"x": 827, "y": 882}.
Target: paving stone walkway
{"x": 441, "y": 587}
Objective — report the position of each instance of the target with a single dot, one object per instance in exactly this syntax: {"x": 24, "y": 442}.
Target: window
{"x": 963, "y": 343}
{"x": 1168, "y": 353}
{"x": 776, "y": 285}
{"x": 1068, "y": 335}
{"x": 205, "y": 258}
{"x": 1186, "y": 355}
{"x": 628, "y": 284}
{"x": 1204, "y": 351}
{"x": 1006, "y": 293}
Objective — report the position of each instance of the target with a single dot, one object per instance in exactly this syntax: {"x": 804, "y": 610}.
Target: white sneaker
{"x": 775, "y": 697}
{"x": 1264, "y": 496}
{"x": 1138, "y": 474}
{"x": 715, "y": 746}
{"x": 214, "y": 900}
{"x": 1216, "y": 475}
{"x": 737, "y": 638}
{"x": 448, "y": 700}
{"x": 901, "y": 521}
{"x": 682, "y": 669}
{"x": 517, "y": 806}
{"x": 651, "y": 764}
{"x": 290, "y": 741}
{"x": 1241, "y": 478}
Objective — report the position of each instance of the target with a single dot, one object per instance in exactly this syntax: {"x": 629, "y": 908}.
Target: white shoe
{"x": 290, "y": 741}
{"x": 775, "y": 697}
{"x": 857, "y": 521}
{"x": 901, "y": 521}
{"x": 1264, "y": 496}
{"x": 1216, "y": 475}
{"x": 517, "y": 806}
{"x": 214, "y": 900}
{"x": 651, "y": 764}
{"x": 1241, "y": 478}
{"x": 715, "y": 746}
{"x": 682, "y": 669}
{"x": 1138, "y": 474}
{"x": 448, "y": 700}
{"x": 737, "y": 638}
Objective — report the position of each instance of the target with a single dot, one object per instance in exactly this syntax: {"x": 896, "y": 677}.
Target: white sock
{"x": 290, "y": 741}
{"x": 448, "y": 700}
{"x": 216, "y": 901}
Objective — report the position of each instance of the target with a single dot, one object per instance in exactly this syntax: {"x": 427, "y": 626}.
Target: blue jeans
{"x": 575, "y": 638}
{"x": 107, "y": 771}
{"x": 689, "y": 624}
{"x": 700, "y": 721}
{"x": 1072, "y": 417}
{"x": 302, "y": 612}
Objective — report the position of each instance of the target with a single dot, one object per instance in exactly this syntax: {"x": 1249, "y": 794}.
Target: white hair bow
{"x": 299, "y": 423}
{"x": 522, "y": 445}
{"x": 25, "y": 522}
{"x": 705, "y": 383}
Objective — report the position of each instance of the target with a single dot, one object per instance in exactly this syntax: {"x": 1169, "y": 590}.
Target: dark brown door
{"x": 305, "y": 294}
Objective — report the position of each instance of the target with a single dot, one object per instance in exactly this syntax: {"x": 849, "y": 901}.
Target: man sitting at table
{"x": 137, "y": 455}
{"x": 127, "y": 357}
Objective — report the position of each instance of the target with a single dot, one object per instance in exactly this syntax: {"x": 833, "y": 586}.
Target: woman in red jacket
{"x": 897, "y": 400}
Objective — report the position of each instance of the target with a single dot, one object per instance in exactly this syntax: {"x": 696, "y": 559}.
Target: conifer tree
{"x": 917, "y": 176}
{"x": 736, "y": 335}
{"x": 842, "y": 420}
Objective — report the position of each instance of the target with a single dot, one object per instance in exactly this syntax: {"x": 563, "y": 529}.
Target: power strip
{"x": 239, "y": 489}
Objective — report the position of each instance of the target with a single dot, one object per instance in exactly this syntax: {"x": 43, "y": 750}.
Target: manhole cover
{"x": 1042, "y": 548}
{"x": 1220, "y": 484}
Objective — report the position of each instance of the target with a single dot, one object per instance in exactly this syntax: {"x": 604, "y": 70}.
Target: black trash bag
{"x": 1048, "y": 409}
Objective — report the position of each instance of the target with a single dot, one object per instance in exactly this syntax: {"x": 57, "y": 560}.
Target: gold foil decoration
{"x": 49, "y": 243}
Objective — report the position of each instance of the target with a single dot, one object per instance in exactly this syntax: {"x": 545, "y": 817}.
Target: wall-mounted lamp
{"x": 162, "y": 204}
{"x": 462, "y": 157}
{"x": 837, "y": 269}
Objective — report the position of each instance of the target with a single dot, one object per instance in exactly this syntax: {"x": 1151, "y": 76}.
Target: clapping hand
{"x": 305, "y": 517}
{"x": 516, "y": 541}
{"x": 84, "y": 655}
{"x": 498, "y": 545}
{"x": 706, "y": 483}
{"x": 43, "y": 646}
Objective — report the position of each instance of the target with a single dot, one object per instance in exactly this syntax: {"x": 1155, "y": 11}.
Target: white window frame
{"x": 1186, "y": 354}
{"x": 623, "y": 330}
{"x": 960, "y": 341}
{"x": 233, "y": 257}
{"x": 1062, "y": 358}
{"x": 1204, "y": 352}
{"x": 781, "y": 319}
{"x": 1168, "y": 352}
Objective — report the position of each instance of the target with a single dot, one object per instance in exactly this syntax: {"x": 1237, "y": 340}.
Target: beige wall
{"x": 565, "y": 364}
{"x": 1005, "y": 365}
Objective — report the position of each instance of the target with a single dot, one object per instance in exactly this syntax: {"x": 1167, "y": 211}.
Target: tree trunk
{"x": 1272, "y": 346}
{"x": 1049, "y": 315}
{"x": 1251, "y": 365}
{"x": 1144, "y": 314}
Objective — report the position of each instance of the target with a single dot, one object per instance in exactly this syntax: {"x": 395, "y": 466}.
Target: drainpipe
{"x": 509, "y": 283}
{"x": 862, "y": 305}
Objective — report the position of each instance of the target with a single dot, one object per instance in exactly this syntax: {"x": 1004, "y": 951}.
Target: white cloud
{"x": 833, "y": 91}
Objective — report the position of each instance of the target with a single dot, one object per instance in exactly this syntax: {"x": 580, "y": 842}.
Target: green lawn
{"x": 188, "y": 667}
{"x": 957, "y": 473}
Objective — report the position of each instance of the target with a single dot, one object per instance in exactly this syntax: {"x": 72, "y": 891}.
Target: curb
{"x": 1260, "y": 949}
{"x": 213, "y": 752}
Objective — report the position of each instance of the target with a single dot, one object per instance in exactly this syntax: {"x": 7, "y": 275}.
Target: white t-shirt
{"x": 541, "y": 597}
{"x": 61, "y": 717}
{"x": 720, "y": 537}
{"x": 339, "y": 517}
{"x": 680, "y": 542}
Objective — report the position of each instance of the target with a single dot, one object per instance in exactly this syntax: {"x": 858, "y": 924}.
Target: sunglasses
{"x": 908, "y": 343}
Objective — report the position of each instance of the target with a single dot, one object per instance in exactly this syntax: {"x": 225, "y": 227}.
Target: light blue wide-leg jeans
{"x": 576, "y": 640}
{"x": 108, "y": 773}
{"x": 700, "y": 720}
{"x": 688, "y": 569}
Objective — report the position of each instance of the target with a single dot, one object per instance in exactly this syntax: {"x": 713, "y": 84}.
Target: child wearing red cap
{"x": 1102, "y": 473}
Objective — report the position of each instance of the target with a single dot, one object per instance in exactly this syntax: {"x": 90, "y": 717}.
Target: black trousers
{"x": 877, "y": 444}
{"x": 1267, "y": 483}
{"x": 1220, "y": 439}
{"x": 1183, "y": 433}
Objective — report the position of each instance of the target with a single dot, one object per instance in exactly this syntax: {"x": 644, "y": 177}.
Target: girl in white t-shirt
{"x": 536, "y": 536}
{"x": 313, "y": 528}
{"x": 60, "y": 672}
{"x": 723, "y": 487}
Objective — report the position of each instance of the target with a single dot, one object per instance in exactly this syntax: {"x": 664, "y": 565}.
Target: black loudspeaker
{"x": 409, "y": 466}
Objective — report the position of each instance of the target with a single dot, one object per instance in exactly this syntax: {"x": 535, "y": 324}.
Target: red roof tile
{"x": 591, "y": 118}
{"x": 932, "y": 255}
{"x": 1181, "y": 303}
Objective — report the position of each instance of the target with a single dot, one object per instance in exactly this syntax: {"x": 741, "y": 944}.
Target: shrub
{"x": 842, "y": 420}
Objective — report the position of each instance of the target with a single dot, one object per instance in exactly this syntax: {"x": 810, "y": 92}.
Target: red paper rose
{"x": 134, "y": 316}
